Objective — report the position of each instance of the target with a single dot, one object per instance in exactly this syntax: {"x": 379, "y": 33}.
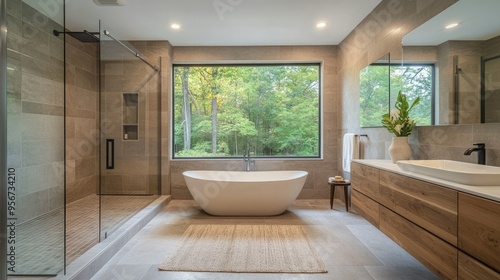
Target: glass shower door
{"x": 35, "y": 139}
{"x": 129, "y": 117}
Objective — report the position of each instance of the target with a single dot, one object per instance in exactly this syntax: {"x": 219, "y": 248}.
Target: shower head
{"x": 84, "y": 36}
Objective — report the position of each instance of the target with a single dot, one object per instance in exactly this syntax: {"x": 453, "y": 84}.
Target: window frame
{"x": 319, "y": 64}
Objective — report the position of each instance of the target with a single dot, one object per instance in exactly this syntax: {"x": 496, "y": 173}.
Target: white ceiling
{"x": 478, "y": 20}
{"x": 223, "y": 22}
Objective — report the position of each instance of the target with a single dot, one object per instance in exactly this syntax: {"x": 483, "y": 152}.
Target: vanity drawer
{"x": 479, "y": 229}
{"x": 365, "y": 180}
{"x": 471, "y": 269}
{"x": 430, "y": 206}
{"x": 366, "y": 207}
{"x": 436, "y": 254}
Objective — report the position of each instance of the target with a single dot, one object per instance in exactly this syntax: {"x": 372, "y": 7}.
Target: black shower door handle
{"x": 110, "y": 153}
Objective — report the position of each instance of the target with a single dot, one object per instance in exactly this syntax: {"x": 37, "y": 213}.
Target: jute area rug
{"x": 245, "y": 248}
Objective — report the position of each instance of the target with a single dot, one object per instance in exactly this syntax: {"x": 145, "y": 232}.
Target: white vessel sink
{"x": 455, "y": 171}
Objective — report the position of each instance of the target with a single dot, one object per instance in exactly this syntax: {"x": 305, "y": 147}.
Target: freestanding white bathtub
{"x": 239, "y": 193}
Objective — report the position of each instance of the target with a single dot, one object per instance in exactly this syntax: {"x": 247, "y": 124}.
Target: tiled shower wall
{"x": 82, "y": 115}
{"x": 35, "y": 104}
{"x": 137, "y": 162}
{"x": 379, "y": 33}
{"x": 319, "y": 170}
{"x": 81, "y": 119}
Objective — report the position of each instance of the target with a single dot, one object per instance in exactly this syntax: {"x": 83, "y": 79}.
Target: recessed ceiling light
{"x": 451, "y": 25}
{"x": 321, "y": 24}
{"x": 110, "y": 2}
{"x": 175, "y": 26}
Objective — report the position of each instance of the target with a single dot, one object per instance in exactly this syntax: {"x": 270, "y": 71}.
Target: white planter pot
{"x": 400, "y": 149}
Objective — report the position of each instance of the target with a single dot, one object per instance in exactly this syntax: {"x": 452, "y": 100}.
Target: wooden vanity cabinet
{"x": 479, "y": 229}
{"x": 430, "y": 206}
{"x": 454, "y": 234}
{"x": 470, "y": 268}
{"x": 366, "y": 207}
{"x": 367, "y": 180}
{"x": 405, "y": 210}
{"x": 364, "y": 196}
{"x": 436, "y": 254}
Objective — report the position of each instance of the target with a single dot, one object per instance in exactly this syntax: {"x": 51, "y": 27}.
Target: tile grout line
{"x": 93, "y": 260}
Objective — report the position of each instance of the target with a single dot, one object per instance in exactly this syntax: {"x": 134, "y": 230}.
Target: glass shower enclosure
{"x": 129, "y": 120}
{"x": 35, "y": 129}
{"x": 45, "y": 224}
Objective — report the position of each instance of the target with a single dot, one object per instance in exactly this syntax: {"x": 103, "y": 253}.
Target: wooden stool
{"x": 344, "y": 184}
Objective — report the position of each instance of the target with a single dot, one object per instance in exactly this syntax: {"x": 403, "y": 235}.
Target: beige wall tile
{"x": 42, "y": 152}
{"x": 40, "y": 177}
{"x": 41, "y": 127}
{"x": 85, "y": 167}
{"x": 135, "y": 184}
{"x": 43, "y": 69}
{"x": 32, "y": 205}
{"x": 81, "y": 119}
{"x": 42, "y": 109}
{"x": 37, "y": 89}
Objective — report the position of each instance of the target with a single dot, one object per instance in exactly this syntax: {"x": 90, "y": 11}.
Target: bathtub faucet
{"x": 247, "y": 160}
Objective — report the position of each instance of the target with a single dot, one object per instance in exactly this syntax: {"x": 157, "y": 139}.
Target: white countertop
{"x": 489, "y": 192}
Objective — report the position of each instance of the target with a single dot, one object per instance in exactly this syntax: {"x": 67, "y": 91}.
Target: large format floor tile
{"x": 350, "y": 246}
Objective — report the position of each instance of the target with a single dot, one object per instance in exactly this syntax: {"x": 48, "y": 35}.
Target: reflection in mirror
{"x": 457, "y": 53}
{"x": 414, "y": 80}
{"x": 374, "y": 92}
{"x": 490, "y": 93}
{"x": 380, "y": 83}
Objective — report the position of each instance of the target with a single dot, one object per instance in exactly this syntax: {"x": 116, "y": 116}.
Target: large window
{"x": 220, "y": 111}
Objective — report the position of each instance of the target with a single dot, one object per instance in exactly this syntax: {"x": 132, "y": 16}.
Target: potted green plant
{"x": 399, "y": 123}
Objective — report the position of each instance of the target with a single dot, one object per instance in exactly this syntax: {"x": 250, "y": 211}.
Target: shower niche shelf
{"x": 130, "y": 116}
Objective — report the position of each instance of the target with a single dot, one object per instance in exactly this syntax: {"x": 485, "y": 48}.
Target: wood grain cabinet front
{"x": 430, "y": 206}
{"x": 479, "y": 229}
{"x": 365, "y": 179}
{"x": 366, "y": 207}
{"x": 471, "y": 269}
{"x": 436, "y": 254}
{"x": 454, "y": 234}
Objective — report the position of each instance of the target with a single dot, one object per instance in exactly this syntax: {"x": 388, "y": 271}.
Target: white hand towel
{"x": 350, "y": 150}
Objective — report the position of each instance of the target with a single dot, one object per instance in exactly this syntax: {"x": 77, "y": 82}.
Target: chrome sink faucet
{"x": 481, "y": 152}
{"x": 247, "y": 160}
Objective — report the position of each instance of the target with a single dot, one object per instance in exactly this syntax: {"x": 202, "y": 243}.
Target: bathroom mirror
{"x": 374, "y": 92}
{"x": 466, "y": 60}
{"x": 380, "y": 83}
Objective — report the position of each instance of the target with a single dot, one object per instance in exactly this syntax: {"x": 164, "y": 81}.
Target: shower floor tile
{"x": 40, "y": 242}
